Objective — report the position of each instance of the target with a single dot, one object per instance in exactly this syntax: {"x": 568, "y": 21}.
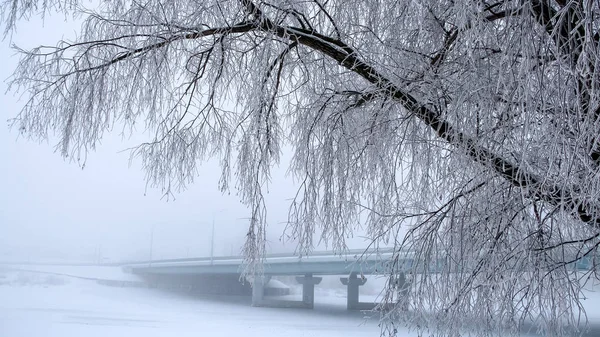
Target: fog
{"x": 51, "y": 208}
{"x": 54, "y": 210}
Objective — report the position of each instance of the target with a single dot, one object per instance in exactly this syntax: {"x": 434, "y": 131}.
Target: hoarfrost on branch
{"x": 466, "y": 132}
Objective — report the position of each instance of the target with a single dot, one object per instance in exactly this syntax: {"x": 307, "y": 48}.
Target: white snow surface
{"x": 48, "y": 305}
{"x": 44, "y": 301}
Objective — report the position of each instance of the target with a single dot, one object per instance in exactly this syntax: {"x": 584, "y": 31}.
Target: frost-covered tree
{"x": 465, "y": 131}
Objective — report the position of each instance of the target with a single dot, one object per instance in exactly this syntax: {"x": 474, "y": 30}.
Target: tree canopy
{"x": 464, "y": 131}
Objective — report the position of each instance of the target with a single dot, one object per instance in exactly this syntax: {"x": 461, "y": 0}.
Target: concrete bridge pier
{"x": 403, "y": 284}
{"x": 258, "y": 289}
{"x": 308, "y": 289}
{"x": 353, "y": 283}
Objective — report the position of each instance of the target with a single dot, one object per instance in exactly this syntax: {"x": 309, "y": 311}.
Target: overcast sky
{"x": 51, "y": 208}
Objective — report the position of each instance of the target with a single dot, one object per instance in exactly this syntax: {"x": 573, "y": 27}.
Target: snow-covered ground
{"x": 47, "y": 303}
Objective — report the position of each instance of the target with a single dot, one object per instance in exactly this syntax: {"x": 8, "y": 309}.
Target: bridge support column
{"x": 403, "y": 284}
{"x": 353, "y": 283}
{"x": 258, "y": 289}
{"x": 308, "y": 289}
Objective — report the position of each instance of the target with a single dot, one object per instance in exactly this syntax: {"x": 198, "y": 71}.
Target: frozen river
{"x": 53, "y": 306}
{"x": 37, "y": 304}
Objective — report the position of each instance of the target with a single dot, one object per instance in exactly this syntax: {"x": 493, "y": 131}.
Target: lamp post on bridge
{"x": 212, "y": 235}
{"x": 152, "y": 243}
{"x": 212, "y": 240}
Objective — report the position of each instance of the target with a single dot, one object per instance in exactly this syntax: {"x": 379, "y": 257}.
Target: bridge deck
{"x": 281, "y": 264}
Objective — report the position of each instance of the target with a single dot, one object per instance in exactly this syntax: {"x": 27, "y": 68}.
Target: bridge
{"x": 354, "y": 264}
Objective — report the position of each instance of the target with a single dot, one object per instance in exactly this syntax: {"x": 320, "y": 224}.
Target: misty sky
{"x": 50, "y": 208}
